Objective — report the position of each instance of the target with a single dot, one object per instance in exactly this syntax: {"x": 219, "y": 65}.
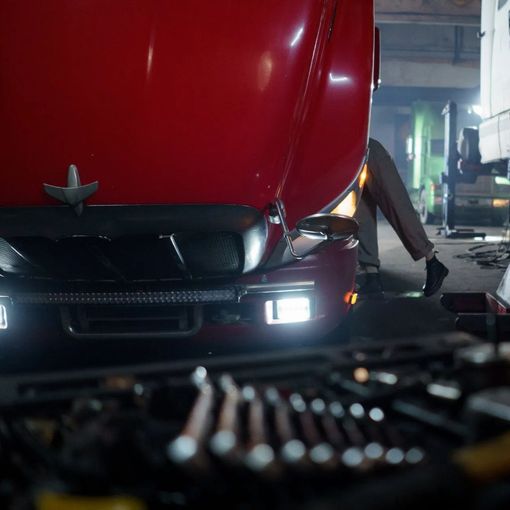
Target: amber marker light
{"x": 348, "y": 206}
{"x": 363, "y": 176}
{"x": 350, "y": 298}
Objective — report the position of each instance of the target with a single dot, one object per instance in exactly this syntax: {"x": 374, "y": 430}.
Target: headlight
{"x": 500, "y": 202}
{"x": 288, "y": 310}
{"x": 348, "y": 206}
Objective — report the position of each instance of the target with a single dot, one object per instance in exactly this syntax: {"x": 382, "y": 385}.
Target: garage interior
{"x": 430, "y": 52}
{"x": 405, "y": 405}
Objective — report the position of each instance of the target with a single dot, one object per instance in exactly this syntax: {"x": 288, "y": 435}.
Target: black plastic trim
{"x": 117, "y": 221}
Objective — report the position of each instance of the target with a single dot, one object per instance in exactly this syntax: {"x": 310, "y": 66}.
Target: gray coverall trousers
{"x": 384, "y": 189}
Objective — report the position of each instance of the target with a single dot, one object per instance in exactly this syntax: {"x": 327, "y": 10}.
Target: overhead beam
{"x": 406, "y": 73}
{"x": 405, "y": 96}
{"x": 426, "y": 42}
{"x": 431, "y": 12}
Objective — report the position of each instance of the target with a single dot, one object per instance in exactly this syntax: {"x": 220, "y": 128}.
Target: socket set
{"x": 295, "y": 429}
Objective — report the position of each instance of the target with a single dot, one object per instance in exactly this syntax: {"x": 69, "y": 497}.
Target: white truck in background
{"x": 495, "y": 81}
{"x": 484, "y": 151}
{"x": 490, "y": 144}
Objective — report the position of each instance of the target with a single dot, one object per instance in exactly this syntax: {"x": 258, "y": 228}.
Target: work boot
{"x": 436, "y": 273}
{"x": 369, "y": 286}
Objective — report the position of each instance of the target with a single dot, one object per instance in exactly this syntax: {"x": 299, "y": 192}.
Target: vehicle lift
{"x": 450, "y": 177}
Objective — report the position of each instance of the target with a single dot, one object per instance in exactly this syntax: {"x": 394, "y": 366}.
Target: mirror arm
{"x": 288, "y": 237}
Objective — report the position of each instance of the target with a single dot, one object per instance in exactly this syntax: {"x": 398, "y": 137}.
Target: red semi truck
{"x": 181, "y": 169}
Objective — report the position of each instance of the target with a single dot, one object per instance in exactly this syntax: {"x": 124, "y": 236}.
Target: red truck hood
{"x": 180, "y": 102}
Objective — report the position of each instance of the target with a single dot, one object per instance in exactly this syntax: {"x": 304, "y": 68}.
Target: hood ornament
{"x": 74, "y": 194}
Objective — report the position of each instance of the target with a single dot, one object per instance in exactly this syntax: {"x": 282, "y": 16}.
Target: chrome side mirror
{"x": 327, "y": 227}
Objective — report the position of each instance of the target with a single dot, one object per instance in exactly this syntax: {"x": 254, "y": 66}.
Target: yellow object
{"x": 487, "y": 461}
{"x": 500, "y": 202}
{"x": 350, "y": 298}
{"x": 363, "y": 176}
{"x": 55, "y": 501}
{"x": 361, "y": 375}
{"x": 348, "y": 206}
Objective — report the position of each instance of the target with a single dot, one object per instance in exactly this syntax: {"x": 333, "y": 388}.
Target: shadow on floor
{"x": 404, "y": 312}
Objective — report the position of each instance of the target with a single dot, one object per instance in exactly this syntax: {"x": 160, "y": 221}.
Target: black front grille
{"x": 211, "y": 254}
{"x": 131, "y": 243}
{"x": 11, "y": 261}
{"x": 129, "y": 258}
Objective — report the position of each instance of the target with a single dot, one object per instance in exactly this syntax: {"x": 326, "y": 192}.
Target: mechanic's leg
{"x": 367, "y": 277}
{"x": 366, "y": 215}
{"x": 390, "y": 194}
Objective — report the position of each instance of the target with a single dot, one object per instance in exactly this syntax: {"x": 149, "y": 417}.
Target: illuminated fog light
{"x": 288, "y": 310}
{"x": 3, "y": 317}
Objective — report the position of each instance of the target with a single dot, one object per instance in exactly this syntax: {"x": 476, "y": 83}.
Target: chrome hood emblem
{"x": 74, "y": 194}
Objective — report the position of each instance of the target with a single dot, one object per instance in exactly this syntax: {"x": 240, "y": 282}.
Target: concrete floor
{"x": 400, "y": 316}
